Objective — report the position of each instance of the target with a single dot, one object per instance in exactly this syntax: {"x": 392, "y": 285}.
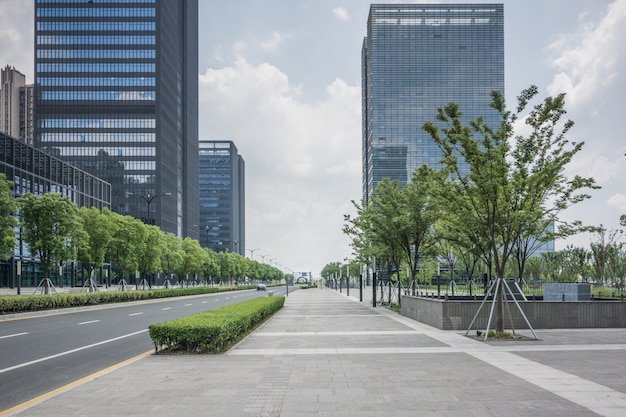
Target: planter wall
{"x": 457, "y": 315}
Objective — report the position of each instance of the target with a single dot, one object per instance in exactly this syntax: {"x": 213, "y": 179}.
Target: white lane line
{"x": 187, "y": 305}
{"x": 135, "y": 314}
{"x": 89, "y": 322}
{"x": 13, "y": 335}
{"x": 204, "y": 302}
{"x": 68, "y": 352}
{"x": 166, "y": 308}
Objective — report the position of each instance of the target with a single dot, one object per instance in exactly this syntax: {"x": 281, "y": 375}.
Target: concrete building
{"x": 16, "y": 105}
{"x": 222, "y": 197}
{"x": 117, "y": 96}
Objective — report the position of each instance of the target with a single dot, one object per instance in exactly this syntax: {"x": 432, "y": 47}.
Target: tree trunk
{"x": 500, "y": 306}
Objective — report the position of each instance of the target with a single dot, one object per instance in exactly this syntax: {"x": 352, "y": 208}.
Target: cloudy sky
{"x": 281, "y": 78}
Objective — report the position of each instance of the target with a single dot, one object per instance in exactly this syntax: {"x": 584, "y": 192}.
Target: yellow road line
{"x": 71, "y": 385}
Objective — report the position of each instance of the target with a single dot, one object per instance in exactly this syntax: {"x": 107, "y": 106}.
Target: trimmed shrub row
{"x": 213, "y": 331}
{"x": 23, "y": 303}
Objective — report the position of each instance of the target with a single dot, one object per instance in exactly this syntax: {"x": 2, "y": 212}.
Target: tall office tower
{"x": 415, "y": 59}
{"x": 16, "y": 105}
{"x": 116, "y": 85}
{"x": 222, "y": 197}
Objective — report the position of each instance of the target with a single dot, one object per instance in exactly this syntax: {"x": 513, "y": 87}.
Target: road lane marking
{"x": 204, "y": 302}
{"x": 68, "y": 352}
{"x": 134, "y": 314}
{"x": 166, "y": 308}
{"x": 89, "y": 322}
{"x": 13, "y": 335}
{"x": 187, "y": 305}
{"x": 43, "y": 397}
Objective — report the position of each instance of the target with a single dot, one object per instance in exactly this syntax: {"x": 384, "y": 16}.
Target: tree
{"x": 51, "y": 229}
{"x": 210, "y": 266}
{"x": 172, "y": 257}
{"x": 149, "y": 261}
{"x": 127, "y": 242}
{"x": 605, "y": 241}
{"x": 8, "y": 207}
{"x": 193, "y": 258}
{"x": 500, "y": 188}
{"x": 98, "y": 228}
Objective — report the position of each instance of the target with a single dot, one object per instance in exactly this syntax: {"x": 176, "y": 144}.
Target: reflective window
{"x": 96, "y": 53}
{"x": 98, "y": 123}
{"x": 96, "y": 81}
{"x": 95, "y": 12}
{"x": 98, "y": 137}
{"x": 94, "y": 40}
{"x": 99, "y": 26}
{"x": 98, "y": 95}
{"x": 96, "y": 67}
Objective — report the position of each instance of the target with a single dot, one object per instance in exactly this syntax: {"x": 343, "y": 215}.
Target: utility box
{"x": 567, "y": 291}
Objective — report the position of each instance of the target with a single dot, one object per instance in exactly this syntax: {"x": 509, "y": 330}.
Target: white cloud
{"x": 341, "y": 13}
{"x": 618, "y": 201}
{"x": 586, "y": 61}
{"x": 273, "y": 42}
{"x": 294, "y": 151}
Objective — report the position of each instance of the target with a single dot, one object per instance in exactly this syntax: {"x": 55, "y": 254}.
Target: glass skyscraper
{"x": 415, "y": 59}
{"x": 222, "y": 196}
{"x": 116, "y": 94}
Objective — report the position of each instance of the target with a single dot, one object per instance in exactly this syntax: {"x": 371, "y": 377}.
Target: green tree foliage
{"x": 126, "y": 245}
{"x": 504, "y": 188}
{"x": 99, "y": 228}
{"x": 8, "y": 208}
{"x": 193, "y": 259}
{"x": 172, "y": 257}
{"x": 601, "y": 248}
{"x": 51, "y": 228}
{"x": 149, "y": 261}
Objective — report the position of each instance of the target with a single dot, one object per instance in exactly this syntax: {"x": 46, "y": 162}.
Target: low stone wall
{"x": 457, "y": 315}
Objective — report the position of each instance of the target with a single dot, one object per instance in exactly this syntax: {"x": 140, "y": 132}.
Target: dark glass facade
{"x": 415, "y": 59}
{"x": 222, "y": 197}
{"x": 34, "y": 171}
{"x": 116, "y": 94}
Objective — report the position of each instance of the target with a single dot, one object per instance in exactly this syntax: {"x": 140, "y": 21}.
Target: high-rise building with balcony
{"x": 222, "y": 197}
{"x": 415, "y": 59}
{"x": 116, "y": 94}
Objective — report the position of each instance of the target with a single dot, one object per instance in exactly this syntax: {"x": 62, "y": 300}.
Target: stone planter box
{"x": 457, "y": 315}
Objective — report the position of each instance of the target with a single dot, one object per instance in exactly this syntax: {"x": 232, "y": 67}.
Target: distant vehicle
{"x": 261, "y": 287}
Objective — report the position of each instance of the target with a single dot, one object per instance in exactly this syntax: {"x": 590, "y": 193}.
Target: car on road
{"x": 261, "y": 287}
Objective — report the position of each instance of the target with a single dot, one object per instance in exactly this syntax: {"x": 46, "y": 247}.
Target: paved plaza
{"x": 328, "y": 355}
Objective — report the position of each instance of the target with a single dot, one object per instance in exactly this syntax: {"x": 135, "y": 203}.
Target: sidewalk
{"x": 326, "y": 354}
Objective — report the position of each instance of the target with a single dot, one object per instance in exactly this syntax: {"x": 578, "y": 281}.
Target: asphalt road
{"x": 45, "y": 352}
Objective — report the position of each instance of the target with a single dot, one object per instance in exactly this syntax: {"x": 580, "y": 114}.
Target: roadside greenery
{"x": 213, "y": 331}
{"x": 57, "y": 232}
{"x": 11, "y": 304}
{"x": 497, "y": 196}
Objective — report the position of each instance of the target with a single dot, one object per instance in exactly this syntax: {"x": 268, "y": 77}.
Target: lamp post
{"x": 263, "y": 258}
{"x": 149, "y": 198}
{"x": 252, "y": 252}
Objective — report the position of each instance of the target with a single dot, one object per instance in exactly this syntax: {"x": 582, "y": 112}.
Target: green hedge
{"x": 24, "y": 303}
{"x": 214, "y": 331}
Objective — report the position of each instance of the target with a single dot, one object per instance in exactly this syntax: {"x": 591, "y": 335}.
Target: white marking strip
{"x": 71, "y": 351}
{"x": 595, "y": 397}
{"x": 166, "y": 308}
{"x": 134, "y": 314}
{"x": 88, "y": 322}
{"x": 13, "y": 335}
{"x": 187, "y": 305}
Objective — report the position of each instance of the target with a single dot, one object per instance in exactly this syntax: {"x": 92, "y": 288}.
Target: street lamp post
{"x": 252, "y": 252}
{"x": 148, "y": 198}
